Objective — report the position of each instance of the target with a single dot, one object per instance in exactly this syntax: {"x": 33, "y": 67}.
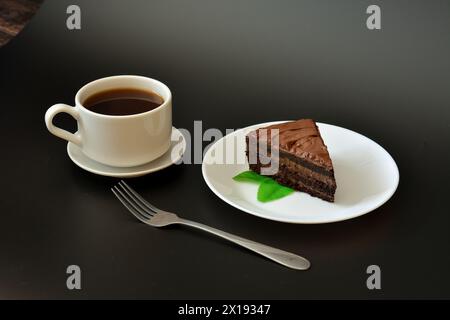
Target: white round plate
{"x": 167, "y": 159}
{"x": 366, "y": 177}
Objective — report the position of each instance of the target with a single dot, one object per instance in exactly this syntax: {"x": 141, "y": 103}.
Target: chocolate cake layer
{"x": 303, "y": 172}
{"x": 298, "y": 172}
{"x": 303, "y": 160}
{"x": 309, "y": 187}
{"x": 300, "y": 161}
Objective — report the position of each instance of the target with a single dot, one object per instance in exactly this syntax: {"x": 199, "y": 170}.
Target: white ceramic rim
{"x": 88, "y": 85}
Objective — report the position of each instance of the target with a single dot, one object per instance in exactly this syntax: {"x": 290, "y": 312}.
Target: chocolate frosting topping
{"x": 302, "y": 139}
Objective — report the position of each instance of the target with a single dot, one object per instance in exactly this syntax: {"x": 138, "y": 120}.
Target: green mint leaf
{"x": 270, "y": 190}
{"x": 249, "y": 176}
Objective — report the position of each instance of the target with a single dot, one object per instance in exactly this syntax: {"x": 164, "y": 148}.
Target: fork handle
{"x": 282, "y": 257}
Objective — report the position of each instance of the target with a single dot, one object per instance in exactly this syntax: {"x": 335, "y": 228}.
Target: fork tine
{"x": 132, "y": 208}
{"x": 148, "y": 205}
{"x": 143, "y": 213}
{"x": 137, "y": 201}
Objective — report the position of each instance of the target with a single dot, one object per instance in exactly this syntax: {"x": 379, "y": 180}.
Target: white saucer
{"x": 366, "y": 177}
{"x": 167, "y": 159}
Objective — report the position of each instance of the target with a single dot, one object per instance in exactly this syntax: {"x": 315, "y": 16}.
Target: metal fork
{"x": 152, "y": 216}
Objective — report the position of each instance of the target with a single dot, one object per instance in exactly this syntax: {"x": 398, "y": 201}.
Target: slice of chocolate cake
{"x": 303, "y": 161}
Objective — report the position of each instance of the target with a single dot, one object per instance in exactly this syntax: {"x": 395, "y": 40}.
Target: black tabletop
{"x": 229, "y": 64}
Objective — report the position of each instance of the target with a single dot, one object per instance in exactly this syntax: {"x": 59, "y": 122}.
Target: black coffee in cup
{"x": 123, "y": 101}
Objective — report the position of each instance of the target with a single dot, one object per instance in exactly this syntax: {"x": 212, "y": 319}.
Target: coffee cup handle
{"x": 61, "y": 133}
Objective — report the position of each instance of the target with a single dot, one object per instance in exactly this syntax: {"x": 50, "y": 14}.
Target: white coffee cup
{"x": 120, "y": 141}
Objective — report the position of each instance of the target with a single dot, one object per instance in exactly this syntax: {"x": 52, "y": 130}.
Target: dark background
{"x": 230, "y": 64}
